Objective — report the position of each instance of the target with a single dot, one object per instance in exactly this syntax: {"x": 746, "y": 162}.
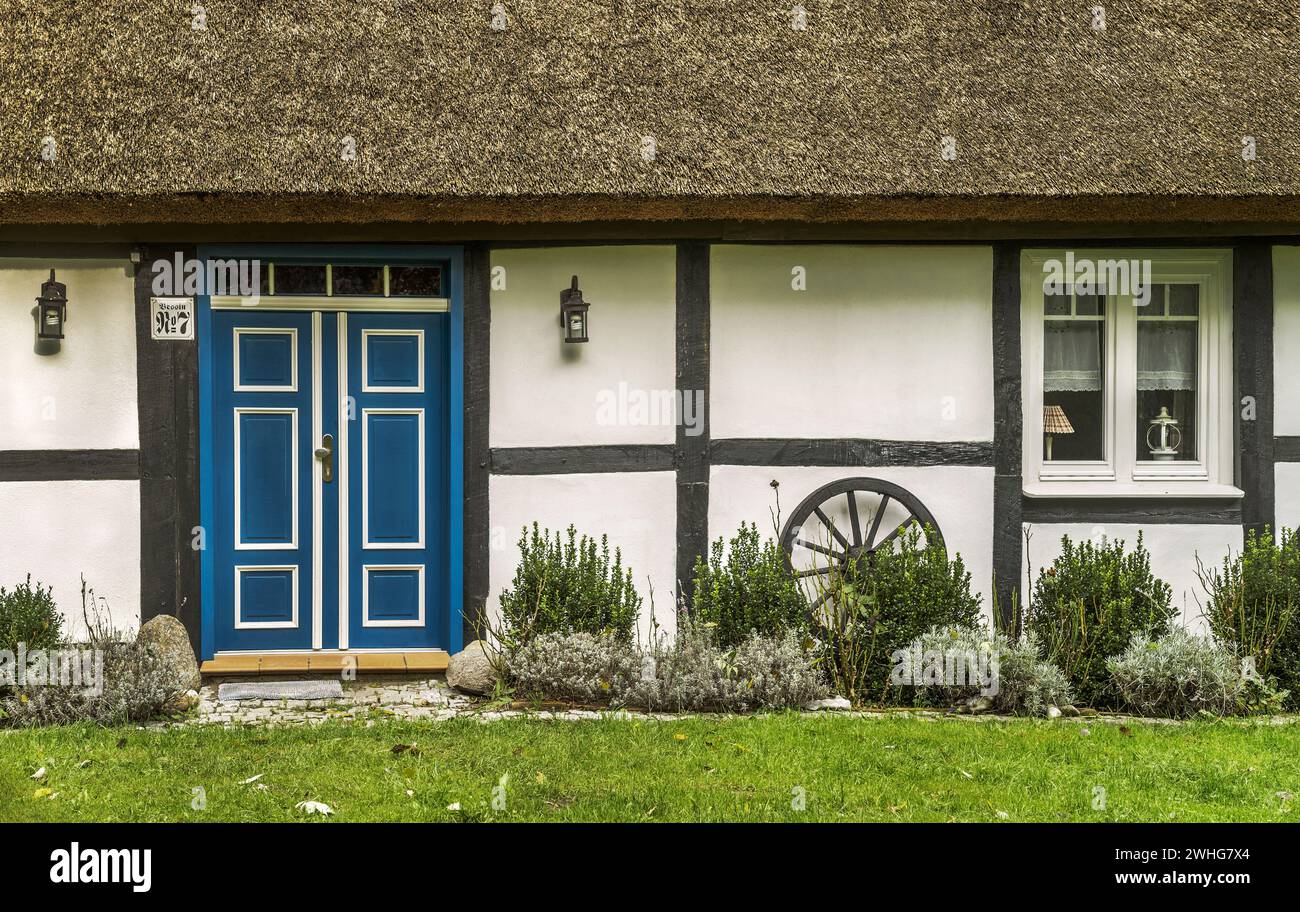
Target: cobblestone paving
{"x": 431, "y": 699}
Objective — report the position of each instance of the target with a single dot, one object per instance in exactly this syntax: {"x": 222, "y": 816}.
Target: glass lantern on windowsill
{"x": 1167, "y": 436}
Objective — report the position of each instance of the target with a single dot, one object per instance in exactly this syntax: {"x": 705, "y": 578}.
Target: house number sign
{"x": 171, "y": 318}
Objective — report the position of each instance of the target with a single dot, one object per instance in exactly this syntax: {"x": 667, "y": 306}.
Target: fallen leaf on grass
{"x": 680, "y": 736}
{"x": 39, "y": 774}
{"x": 1003, "y": 815}
{"x": 454, "y": 806}
{"x": 84, "y": 763}
{"x": 314, "y": 807}
{"x": 43, "y": 793}
{"x": 251, "y": 779}
{"x": 403, "y": 748}
{"x": 966, "y": 774}
{"x": 1126, "y": 731}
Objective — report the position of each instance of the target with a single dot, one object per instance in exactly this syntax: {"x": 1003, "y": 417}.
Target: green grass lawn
{"x": 700, "y": 769}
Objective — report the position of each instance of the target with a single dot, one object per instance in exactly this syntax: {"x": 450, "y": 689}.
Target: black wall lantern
{"x": 51, "y": 309}
{"x": 573, "y": 313}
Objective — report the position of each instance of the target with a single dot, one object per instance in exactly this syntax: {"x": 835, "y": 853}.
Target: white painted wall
{"x": 1286, "y": 341}
{"x": 886, "y": 342}
{"x": 84, "y": 396}
{"x": 59, "y": 530}
{"x": 1174, "y": 550}
{"x": 1286, "y": 493}
{"x": 638, "y": 511}
{"x": 546, "y": 392}
{"x": 959, "y": 497}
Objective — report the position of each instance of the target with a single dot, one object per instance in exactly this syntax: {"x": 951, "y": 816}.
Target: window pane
{"x": 291, "y": 279}
{"x": 358, "y": 280}
{"x": 415, "y": 281}
{"x": 1074, "y": 395}
{"x": 1184, "y": 300}
{"x": 1167, "y": 379}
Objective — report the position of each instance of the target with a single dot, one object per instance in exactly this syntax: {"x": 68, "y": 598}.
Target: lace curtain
{"x": 1072, "y": 358}
{"x": 1167, "y": 355}
{"x": 1072, "y": 355}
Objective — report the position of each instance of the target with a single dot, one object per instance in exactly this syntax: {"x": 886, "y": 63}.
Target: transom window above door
{"x": 307, "y": 284}
{"x": 1127, "y": 372}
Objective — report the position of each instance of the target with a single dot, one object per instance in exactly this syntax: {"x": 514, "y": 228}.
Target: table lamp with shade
{"x": 1054, "y": 422}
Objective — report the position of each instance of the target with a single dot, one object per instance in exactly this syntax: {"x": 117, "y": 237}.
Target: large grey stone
{"x": 472, "y": 670}
{"x": 166, "y": 636}
{"x": 328, "y": 689}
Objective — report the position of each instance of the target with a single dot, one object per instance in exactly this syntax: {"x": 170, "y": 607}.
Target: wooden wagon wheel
{"x": 842, "y": 522}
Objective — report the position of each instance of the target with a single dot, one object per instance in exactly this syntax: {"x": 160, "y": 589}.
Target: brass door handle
{"x": 325, "y": 453}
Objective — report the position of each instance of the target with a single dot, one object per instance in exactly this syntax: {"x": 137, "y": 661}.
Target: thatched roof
{"x": 545, "y": 119}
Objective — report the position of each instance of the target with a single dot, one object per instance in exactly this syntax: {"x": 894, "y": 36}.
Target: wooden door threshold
{"x": 332, "y": 663}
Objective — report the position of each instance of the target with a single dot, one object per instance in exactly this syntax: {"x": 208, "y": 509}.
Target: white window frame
{"x": 1120, "y": 473}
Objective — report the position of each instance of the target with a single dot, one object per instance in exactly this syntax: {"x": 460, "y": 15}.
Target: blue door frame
{"x": 213, "y": 445}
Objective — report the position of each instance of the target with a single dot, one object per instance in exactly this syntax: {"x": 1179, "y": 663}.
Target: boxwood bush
{"x": 1089, "y": 604}
{"x": 749, "y": 591}
{"x": 568, "y": 585}
{"x": 28, "y": 615}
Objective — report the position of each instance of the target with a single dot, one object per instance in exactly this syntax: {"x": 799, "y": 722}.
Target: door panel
{"x": 397, "y": 479}
{"x": 262, "y": 533}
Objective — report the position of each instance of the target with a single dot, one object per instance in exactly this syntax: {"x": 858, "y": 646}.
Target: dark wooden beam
{"x": 167, "y": 395}
{"x": 1008, "y": 430}
{"x": 693, "y": 457}
{"x": 849, "y": 453}
{"x": 567, "y": 460}
{"x": 477, "y": 459}
{"x": 69, "y": 465}
{"x": 1252, "y": 332}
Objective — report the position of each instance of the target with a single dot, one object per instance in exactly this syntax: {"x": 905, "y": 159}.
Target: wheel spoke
{"x": 815, "y": 571}
{"x": 877, "y": 520}
{"x": 844, "y": 542}
{"x": 897, "y": 532}
{"x": 820, "y": 549}
{"x": 853, "y": 518}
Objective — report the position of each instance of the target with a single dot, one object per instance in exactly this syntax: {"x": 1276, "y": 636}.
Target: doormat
{"x": 281, "y": 690}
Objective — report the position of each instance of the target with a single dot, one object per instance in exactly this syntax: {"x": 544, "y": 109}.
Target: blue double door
{"x": 331, "y": 480}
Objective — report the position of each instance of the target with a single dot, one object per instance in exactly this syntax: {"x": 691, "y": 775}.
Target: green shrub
{"x": 124, "y": 681}
{"x": 1253, "y": 603}
{"x": 880, "y": 603}
{"x": 568, "y": 586}
{"x": 28, "y": 615}
{"x": 1014, "y": 680}
{"x": 1181, "y": 675}
{"x": 751, "y": 591}
{"x": 1090, "y": 603}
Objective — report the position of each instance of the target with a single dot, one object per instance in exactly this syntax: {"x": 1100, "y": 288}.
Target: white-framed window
{"x": 1127, "y": 372}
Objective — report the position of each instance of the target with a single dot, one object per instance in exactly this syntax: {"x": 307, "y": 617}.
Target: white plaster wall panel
{"x": 1174, "y": 551}
{"x": 637, "y": 510}
{"x": 886, "y": 342}
{"x": 1286, "y": 492}
{"x": 546, "y": 392}
{"x": 959, "y": 497}
{"x": 84, "y": 396}
{"x": 59, "y": 530}
{"x": 1286, "y": 341}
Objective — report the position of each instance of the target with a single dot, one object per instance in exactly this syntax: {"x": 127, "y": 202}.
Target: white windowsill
{"x": 1153, "y": 489}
